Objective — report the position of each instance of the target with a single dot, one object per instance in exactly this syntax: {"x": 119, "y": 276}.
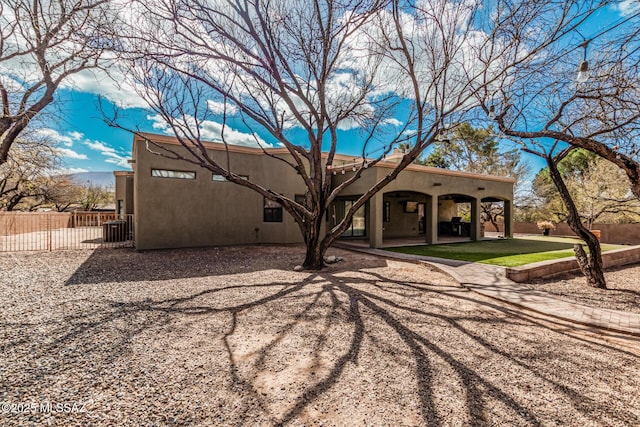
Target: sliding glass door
{"x": 358, "y": 226}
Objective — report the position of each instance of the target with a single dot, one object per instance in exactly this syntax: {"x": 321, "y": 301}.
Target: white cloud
{"x": 76, "y": 135}
{"x": 115, "y": 87}
{"x": 159, "y": 123}
{"x": 219, "y": 108}
{"x": 101, "y": 147}
{"x": 12, "y": 85}
{"x": 68, "y": 171}
{"x": 209, "y": 131}
{"x": 68, "y": 153}
{"x": 119, "y": 161}
{"x": 57, "y": 137}
{"x": 627, "y": 7}
{"x": 392, "y": 121}
{"x": 113, "y": 156}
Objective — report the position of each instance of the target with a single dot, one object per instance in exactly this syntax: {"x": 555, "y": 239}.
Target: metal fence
{"x": 51, "y": 231}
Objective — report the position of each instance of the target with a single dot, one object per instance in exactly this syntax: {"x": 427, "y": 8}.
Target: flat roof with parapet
{"x": 219, "y": 146}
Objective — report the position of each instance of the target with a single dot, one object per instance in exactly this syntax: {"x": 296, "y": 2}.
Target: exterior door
{"x": 358, "y": 226}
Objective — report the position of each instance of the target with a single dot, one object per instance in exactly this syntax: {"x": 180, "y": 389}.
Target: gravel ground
{"x": 233, "y": 337}
{"x": 623, "y": 291}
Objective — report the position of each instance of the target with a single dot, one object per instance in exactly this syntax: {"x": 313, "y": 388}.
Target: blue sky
{"x": 87, "y": 143}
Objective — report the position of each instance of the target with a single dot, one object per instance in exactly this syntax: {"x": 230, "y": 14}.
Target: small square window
{"x": 272, "y": 211}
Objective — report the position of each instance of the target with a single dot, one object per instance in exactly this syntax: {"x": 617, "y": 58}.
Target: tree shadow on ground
{"x": 128, "y": 265}
{"x": 438, "y": 336}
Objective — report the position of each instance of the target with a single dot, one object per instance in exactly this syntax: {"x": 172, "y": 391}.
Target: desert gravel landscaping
{"x": 622, "y": 293}
{"x": 232, "y": 336}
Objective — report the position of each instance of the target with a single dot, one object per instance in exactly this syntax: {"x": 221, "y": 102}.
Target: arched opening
{"x": 495, "y": 213}
{"x": 455, "y": 218}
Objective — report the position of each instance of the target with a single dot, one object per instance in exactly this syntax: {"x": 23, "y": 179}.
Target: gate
{"x": 51, "y": 231}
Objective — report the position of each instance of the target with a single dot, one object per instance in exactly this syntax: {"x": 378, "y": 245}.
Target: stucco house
{"x": 177, "y": 204}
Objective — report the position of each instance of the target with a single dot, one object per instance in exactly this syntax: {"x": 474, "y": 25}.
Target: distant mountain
{"x": 100, "y": 179}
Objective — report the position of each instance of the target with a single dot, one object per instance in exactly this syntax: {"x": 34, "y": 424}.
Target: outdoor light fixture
{"x": 583, "y": 68}
{"x": 492, "y": 112}
{"x": 583, "y": 72}
{"x": 342, "y": 171}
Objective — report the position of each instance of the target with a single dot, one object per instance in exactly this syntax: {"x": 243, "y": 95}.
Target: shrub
{"x": 546, "y": 225}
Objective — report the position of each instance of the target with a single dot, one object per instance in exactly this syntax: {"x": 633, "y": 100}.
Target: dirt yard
{"x": 234, "y": 337}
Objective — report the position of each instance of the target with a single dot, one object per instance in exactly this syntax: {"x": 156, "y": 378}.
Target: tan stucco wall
{"x": 431, "y": 181}
{"x": 124, "y": 191}
{"x": 174, "y": 213}
{"x": 402, "y": 223}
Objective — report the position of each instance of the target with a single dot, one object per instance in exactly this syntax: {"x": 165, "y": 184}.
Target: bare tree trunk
{"x": 315, "y": 250}
{"x": 590, "y": 273}
{"x": 314, "y": 258}
{"x": 590, "y": 265}
{"x": 492, "y": 217}
{"x": 494, "y": 223}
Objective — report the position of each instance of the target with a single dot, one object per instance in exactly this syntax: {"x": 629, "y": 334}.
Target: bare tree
{"x": 42, "y": 43}
{"x": 93, "y": 196}
{"x": 591, "y": 264}
{"x": 62, "y": 193}
{"x": 541, "y": 97}
{"x": 299, "y": 72}
{"x": 24, "y": 176}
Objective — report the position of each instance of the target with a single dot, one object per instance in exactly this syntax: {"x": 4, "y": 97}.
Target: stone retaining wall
{"x": 545, "y": 269}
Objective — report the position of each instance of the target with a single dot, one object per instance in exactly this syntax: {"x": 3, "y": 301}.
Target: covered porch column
{"x": 508, "y": 219}
{"x": 431, "y": 226}
{"x": 375, "y": 220}
{"x": 476, "y": 225}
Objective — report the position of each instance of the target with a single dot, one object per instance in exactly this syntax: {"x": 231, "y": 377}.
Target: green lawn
{"x": 504, "y": 252}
